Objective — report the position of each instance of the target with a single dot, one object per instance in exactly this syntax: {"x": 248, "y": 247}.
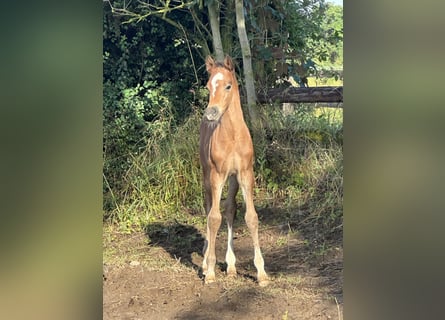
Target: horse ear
{"x": 228, "y": 63}
{"x": 210, "y": 63}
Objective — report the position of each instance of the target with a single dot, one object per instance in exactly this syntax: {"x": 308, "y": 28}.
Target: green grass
{"x": 298, "y": 165}
{"x": 319, "y": 82}
{"x": 334, "y": 116}
{"x": 164, "y": 181}
{"x": 300, "y": 162}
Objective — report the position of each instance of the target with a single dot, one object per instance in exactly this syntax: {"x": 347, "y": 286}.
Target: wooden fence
{"x": 302, "y": 95}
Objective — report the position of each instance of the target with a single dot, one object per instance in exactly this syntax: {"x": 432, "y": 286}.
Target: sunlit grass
{"x": 298, "y": 165}
{"x": 319, "y": 82}
{"x": 333, "y": 115}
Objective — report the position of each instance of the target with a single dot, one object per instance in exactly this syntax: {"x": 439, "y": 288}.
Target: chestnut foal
{"x": 226, "y": 152}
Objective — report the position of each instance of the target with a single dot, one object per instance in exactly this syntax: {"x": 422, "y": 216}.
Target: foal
{"x": 226, "y": 152}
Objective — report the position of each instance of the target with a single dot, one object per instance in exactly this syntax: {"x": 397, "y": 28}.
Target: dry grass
{"x": 296, "y": 287}
{"x": 157, "y": 228}
{"x": 121, "y": 249}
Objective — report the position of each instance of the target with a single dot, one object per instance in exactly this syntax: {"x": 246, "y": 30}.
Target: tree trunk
{"x": 247, "y": 62}
{"x": 227, "y": 27}
{"x": 214, "y": 9}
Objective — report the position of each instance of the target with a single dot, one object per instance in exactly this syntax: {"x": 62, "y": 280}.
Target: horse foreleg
{"x": 213, "y": 224}
{"x": 251, "y": 217}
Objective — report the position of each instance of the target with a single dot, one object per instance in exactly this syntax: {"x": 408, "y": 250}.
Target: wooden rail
{"x": 300, "y": 95}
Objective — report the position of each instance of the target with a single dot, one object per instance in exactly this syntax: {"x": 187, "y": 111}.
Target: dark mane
{"x": 220, "y": 65}
{"x": 206, "y": 132}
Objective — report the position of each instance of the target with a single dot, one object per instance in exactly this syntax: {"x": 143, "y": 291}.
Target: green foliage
{"x": 299, "y": 162}
{"x": 153, "y": 97}
{"x": 294, "y": 39}
{"x": 147, "y": 80}
{"x": 286, "y": 37}
{"x": 164, "y": 181}
{"x": 298, "y": 165}
{"x": 332, "y": 25}
{"x": 129, "y": 122}
{"x": 333, "y": 43}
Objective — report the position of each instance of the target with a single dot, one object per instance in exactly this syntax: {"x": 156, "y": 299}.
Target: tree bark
{"x": 247, "y": 62}
{"x": 214, "y": 12}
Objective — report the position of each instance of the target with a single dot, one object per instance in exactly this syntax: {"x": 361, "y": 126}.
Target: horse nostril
{"x": 211, "y": 113}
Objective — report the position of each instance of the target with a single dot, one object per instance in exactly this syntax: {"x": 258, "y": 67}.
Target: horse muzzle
{"x": 212, "y": 114}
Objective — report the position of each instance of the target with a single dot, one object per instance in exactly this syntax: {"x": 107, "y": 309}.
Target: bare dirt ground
{"x": 156, "y": 274}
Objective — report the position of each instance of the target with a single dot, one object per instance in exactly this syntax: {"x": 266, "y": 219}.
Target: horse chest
{"x": 229, "y": 159}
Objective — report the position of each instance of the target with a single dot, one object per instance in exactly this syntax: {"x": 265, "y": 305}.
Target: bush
{"x": 131, "y": 117}
{"x": 298, "y": 165}
{"x": 164, "y": 180}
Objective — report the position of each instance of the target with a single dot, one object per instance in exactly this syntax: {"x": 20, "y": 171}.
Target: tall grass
{"x": 299, "y": 163}
{"x": 164, "y": 181}
{"x": 298, "y": 166}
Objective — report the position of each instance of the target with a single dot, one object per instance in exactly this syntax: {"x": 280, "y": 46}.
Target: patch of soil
{"x": 156, "y": 274}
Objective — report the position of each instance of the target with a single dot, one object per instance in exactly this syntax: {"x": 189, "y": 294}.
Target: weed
{"x": 281, "y": 241}
{"x": 299, "y": 164}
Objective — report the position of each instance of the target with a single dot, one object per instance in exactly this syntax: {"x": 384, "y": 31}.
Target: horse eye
{"x": 228, "y": 87}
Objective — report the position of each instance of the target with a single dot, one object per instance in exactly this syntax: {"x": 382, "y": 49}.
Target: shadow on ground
{"x": 308, "y": 248}
{"x": 292, "y": 244}
{"x": 179, "y": 240}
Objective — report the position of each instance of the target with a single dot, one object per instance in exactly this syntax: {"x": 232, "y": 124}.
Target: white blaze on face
{"x": 216, "y": 77}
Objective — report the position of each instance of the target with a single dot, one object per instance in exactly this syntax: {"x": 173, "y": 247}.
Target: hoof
{"x": 231, "y": 273}
{"x": 204, "y": 269}
{"x": 263, "y": 281}
{"x": 209, "y": 279}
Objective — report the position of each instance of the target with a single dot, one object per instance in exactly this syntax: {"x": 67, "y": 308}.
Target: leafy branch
{"x": 149, "y": 9}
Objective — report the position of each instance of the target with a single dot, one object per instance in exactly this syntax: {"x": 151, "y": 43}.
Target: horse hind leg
{"x": 230, "y": 212}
